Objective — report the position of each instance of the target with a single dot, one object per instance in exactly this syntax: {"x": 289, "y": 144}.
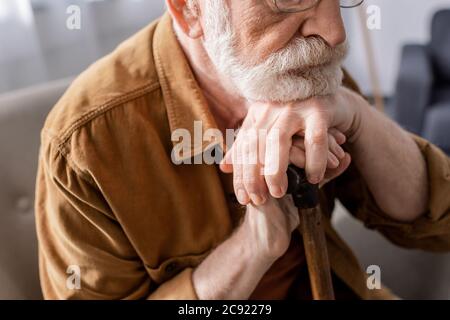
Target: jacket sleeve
{"x": 83, "y": 251}
{"x": 429, "y": 232}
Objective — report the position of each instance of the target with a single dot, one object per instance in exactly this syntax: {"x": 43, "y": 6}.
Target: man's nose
{"x": 325, "y": 21}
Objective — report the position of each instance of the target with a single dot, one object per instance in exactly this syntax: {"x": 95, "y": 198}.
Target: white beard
{"x": 306, "y": 67}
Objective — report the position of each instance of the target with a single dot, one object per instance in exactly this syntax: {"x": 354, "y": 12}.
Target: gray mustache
{"x": 306, "y": 53}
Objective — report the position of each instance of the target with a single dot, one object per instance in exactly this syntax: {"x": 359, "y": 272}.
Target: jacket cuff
{"x": 179, "y": 287}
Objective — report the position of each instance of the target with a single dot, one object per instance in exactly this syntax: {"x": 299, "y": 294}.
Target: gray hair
{"x": 192, "y": 9}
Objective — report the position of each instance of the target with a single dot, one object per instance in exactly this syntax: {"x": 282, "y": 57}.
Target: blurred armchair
{"x": 22, "y": 115}
{"x": 422, "y": 102}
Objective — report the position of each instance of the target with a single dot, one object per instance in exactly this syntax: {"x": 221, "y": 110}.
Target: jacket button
{"x": 171, "y": 267}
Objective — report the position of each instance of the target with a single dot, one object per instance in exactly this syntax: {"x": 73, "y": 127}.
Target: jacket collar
{"x": 184, "y": 100}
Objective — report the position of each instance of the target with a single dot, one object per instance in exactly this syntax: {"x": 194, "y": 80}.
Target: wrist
{"x": 231, "y": 271}
{"x": 251, "y": 250}
{"x": 260, "y": 245}
{"x": 359, "y": 108}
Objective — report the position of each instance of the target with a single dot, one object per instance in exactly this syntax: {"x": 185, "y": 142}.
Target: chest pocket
{"x": 172, "y": 266}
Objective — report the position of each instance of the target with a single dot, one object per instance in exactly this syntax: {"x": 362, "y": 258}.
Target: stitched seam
{"x": 90, "y": 115}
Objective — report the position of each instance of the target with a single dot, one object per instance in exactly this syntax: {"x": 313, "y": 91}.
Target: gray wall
{"x": 36, "y": 46}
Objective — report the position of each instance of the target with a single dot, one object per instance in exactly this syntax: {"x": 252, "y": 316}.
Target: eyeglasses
{"x": 303, "y": 5}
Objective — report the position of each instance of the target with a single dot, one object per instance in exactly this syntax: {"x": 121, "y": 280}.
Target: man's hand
{"x": 233, "y": 270}
{"x": 308, "y": 134}
{"x": 270, "y": 226}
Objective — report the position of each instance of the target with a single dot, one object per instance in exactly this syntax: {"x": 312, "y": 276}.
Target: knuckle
{"x": 320, "y": 111}
{"x": 249, "y": 179}
{"x": 275, "y": 136}
{"x": 238, "y": 181}
{"x": 319, "y": 136}
{"x": 249, "y": 136}
{"x": 284, "y": 135}
{"x": 252, "y": 187}
{"x": 318, "y": 103}
{"x": 252, "y": 183}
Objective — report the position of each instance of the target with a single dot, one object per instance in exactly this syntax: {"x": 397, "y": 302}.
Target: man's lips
{"x": 301, "y": 72}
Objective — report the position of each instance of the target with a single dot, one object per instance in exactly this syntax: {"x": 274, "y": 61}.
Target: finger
{"x": 297, "y": 157}
{"x": 238, "y": 182}
{"x": 253, "y": 180}
{"x": 226, "y": 165}
{"x": 278, "y": 145}
{"x": 334, "y": 173}
{"x": 298, "y": 142}
{"x": 338, "y": 136}
{"x": 332, "y": 162}
{"x": 334, "y": 147}
{"x": 343, "y": 165}
{"x": 316, "y": 147}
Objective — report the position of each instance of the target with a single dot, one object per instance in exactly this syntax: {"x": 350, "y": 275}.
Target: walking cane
{"x": 306, "y": 199}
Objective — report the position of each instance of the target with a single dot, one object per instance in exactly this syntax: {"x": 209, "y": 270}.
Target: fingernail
{"x": 256, "y": 199}
{"x": 242, "y": 196}
{"x": 276, "y": 191}
{"x": 334, "y": 161}
{"x": 314, "y": 179}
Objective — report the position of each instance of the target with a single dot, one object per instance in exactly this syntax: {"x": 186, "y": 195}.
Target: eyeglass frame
{"x": 274, "y": 6}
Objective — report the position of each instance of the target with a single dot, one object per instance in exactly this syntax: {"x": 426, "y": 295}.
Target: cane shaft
{"x": 316, "y": 254}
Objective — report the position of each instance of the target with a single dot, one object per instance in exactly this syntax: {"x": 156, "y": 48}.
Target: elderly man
{"x": 115, "y": 206}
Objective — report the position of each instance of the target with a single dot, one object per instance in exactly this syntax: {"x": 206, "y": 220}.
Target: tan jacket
{"x": 110, "y": 200}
